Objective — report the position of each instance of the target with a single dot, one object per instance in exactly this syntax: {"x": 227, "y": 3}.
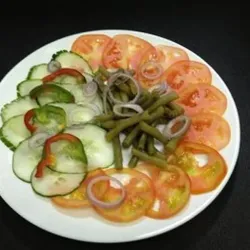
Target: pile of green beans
{"x": 140, "y": 130}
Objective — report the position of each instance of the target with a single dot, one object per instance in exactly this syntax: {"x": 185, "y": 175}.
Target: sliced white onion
{"x": 117, "y": 109}
{"x": 53, "y": 66}
{"x": 102, "y": 204}
{"x": 161, "y": 88}
{"x": 90, "y": 89}
{"x": 38, "y": 139}
{"x": 112, "y": 80}
{"x": 154, "y": 65}
{"x": 168, "y": 129}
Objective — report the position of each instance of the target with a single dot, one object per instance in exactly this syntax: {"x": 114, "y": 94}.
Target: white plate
{"x": 86, "y": 225}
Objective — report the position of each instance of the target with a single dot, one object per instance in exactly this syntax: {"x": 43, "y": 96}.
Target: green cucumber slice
{"x": 14, "y": 131}
{"x": 76, "y": 113}
{"x": 69, "y": 157}
{"x": 38, "y": 71}
{"x": 54, "y": 183}
{"x": 69, "y": 59}
{"x": 25, "y": 160}
{"x": 98, "y": 150}
{"x": 24, "y": 87}
{"x": 18, "y": 106}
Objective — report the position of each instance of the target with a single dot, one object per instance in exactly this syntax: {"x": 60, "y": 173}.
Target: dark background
{"x": 219, "y": 34}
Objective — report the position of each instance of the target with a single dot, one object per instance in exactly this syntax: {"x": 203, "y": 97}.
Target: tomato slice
{"x": 139, "y": 198}
{"x": 124, "y": 51}
{"x": 78, "y": 198}
{"x": 163, "y": 55}
{"x": 91, "y": 47}
{"x": 183, "y": 73}
{"x": 209, "y": 129}
{"x": 172, "y": 188}
{"x": 202, "y": 98}
{"x": 203, "y": 178}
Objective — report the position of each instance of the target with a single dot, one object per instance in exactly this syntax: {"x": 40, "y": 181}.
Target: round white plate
{"x": 86, "y": 225}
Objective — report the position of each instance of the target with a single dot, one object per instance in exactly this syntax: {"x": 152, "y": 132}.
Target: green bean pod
{"x": 151, "y": 159}
{"x": 153, "y": 132}
{"x": 118, "y": 159}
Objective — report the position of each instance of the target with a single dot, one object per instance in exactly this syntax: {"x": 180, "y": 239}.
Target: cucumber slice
{"x": 54, "y": 183}
{"x": 98, "y": 150}
{"x": 70, "y": 158}
{"x": 69, "y": 80}
{"x": 25, "y": 160}
{"x": 69, "y": 59}
{"x": 14, "y": 131}
{"x": 17, "y": 107}
{"x": 76, "y": 113}
{"x": 24, "y": 87}
{"x": 38, "y": 71}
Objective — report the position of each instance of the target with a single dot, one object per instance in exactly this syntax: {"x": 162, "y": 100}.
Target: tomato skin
{"x": 202, "y": 98}
{"x": 124, "y": 51}
{"x": 209, "y": 129}
{"x": 184, "y": 73}
{"x": 140, "y": 195}
{"x": 78, "y": 198}
{"x": 163, "y": 55}
{"x": 91, "y": 47}
{"x": 172, "y": 187}
{"x": 206, "y": 178}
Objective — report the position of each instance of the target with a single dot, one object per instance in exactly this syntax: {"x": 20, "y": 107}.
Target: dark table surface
{"x": 219, "y": 36}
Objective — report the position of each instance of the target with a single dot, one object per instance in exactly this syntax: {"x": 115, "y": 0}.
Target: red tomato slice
{"x": 78, "y": 198}
{"x": 140, "y": 195}
{"x": 200, "y": 98}
{"x": 184, "y": 73}
{"x": 163, "y": 55}
{"x": 172, "y": 187}
{"x": 91, "y": 47}
{"x": 209, "y": 129}
{"x": 203, "y": 178}
{"x": 124, "y": 51}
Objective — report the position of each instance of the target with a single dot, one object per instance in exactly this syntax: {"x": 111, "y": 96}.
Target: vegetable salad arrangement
{"x": 114, "y": 107}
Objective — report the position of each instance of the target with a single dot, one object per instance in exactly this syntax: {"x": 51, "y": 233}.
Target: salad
{"x": 115, "y": 124}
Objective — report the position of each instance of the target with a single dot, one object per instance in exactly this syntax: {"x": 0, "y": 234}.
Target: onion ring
{"x": 102, "y": 204}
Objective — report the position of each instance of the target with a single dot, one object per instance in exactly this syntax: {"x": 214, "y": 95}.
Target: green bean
{"x": 109, "y": 124}
{"x": 144, "y": 96}
{"x": 151, "y": 159}
{"x": 105, "y": 117}
{"x": 163, "y": 100}
{"x": 152, "y": 131}
{"x": 125, "y": 88}
{"x": 132, "y": 86}
{"x": 131, "y": 136}
{"x": 118, "y": 159}
{"x": 142, "y": 141}
{"x": 162, "y": 120}
{"x": 133, "y": 161}
{"x": 100, "y": 83}
{"x": 172, "y": 144}
{"x": 104, "y": 72}
{"x": 117, "y": 95}
{"x": 125, "y": 99}
{"x": 159, "y": 112}
{"x": 125, "y": 124}
{"x": 150, "y": 146}
{"x": 160, "y": 155}
{"x": 174, "y": 106}
{"x": 148, "y": 102}
{"x": 170, "y": 113}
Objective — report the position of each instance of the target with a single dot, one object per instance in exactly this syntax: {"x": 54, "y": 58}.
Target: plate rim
{"x": 192, "y": 215}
